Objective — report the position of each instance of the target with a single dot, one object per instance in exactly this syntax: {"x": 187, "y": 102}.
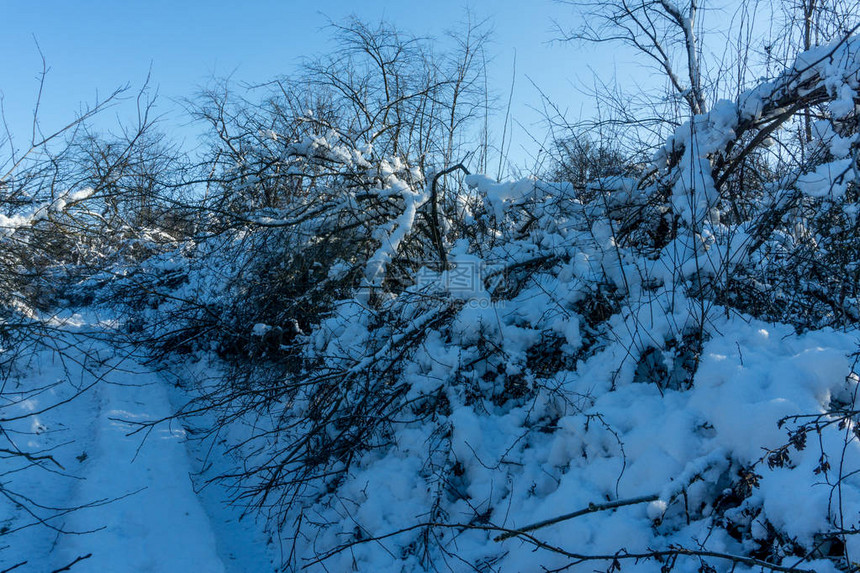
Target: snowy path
{"x": 162, "y": 527}
{"x": 156, "y": 522}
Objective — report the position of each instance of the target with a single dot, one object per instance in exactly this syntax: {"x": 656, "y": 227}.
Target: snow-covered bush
{"x": 422, "y": 359}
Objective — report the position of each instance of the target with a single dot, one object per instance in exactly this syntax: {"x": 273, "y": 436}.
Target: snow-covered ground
{"x": 132, "y": 495}
{"x": 79, "y": 411}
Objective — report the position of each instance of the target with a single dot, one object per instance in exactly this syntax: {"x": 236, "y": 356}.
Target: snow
{"x": 32, "y": 214}
{"x": 618, "y": 439}
{"x": 167, "y": 522}
{"x": 829, "y": 179}
{"x": 630, "y": 442}
{"x": 260, "y": 329}
{"x": 400, "y": 227}
{"x": 554, "y": 365}
{"x": 130, "y": 489}
{"x": 498, "y": 195}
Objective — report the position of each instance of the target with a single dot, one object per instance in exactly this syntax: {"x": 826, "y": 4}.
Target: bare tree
{"x": 663, "y": 31}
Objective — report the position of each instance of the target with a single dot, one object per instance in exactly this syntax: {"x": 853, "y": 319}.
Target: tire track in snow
{"x": 157, "y": 523}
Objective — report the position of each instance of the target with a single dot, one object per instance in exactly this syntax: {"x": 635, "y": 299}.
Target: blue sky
{"x": 94, "y": 46}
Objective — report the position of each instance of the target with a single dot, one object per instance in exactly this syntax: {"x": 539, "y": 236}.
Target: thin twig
{"x": 592, "y": 508}
{"x": 69, "y": 566}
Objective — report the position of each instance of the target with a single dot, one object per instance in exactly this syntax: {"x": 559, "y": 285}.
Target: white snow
{"x": 760, "y": 445}
{"x": 132, "y": 499}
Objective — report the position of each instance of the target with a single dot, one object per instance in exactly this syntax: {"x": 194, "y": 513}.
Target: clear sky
{"x": 94, "y": 46}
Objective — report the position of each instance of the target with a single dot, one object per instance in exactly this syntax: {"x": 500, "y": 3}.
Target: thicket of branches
{"x": 70, "y": 201}
{"x": 334, "y": 250}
